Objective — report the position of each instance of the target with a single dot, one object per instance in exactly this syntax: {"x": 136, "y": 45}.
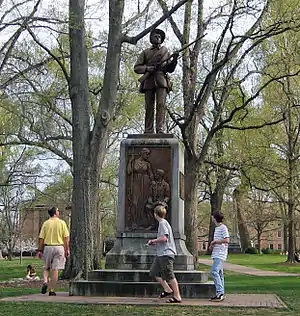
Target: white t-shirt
{"x": 220, "y": 250}
{"x": 167, "y": 248}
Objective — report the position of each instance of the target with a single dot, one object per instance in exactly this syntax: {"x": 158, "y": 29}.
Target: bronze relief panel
{"x": 148, "y": 183}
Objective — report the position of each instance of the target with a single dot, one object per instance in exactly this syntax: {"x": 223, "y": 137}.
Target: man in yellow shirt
{"x": 53, "y": 248}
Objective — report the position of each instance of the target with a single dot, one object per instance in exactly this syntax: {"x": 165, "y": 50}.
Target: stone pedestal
{"x": 138, "y": 283}
{"x": 127, "y": 263}
{"x": 235, "y": 244}
{"x": 129, "y": 251}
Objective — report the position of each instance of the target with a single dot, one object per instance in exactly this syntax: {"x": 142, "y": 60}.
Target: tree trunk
{"x": 259, "y": 241}
{"x": 291, "y": 245}
{"x": 191, "y": 205}
{"x": 216, "y": 201}
{"x": 291, "y": 185}
{"x": 81, "y": 216}
{"x": 105, "y": 113}
{"x": 9, "y": 253}
{"x": 216, "y": 198}
{"x": 239, "y": 198}
{"x": 285, "y": 237}
{"x": 89, "y": 146}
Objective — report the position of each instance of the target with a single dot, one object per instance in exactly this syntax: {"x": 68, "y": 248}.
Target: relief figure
{"x": 140, "y": 175}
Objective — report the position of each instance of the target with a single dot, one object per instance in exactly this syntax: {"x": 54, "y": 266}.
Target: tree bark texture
{"x": 81, "y": 216}
{"x": 105, "y": 115}
{"x": 239, "y": 199}
{"x": 259, "y": 241}
{"x": 222, "y": 179}
{"x": 89, "y": 144}
{"x": 291, "y": 190}
{"x": 191, "y": 206}
{"x": 216, "y": 201}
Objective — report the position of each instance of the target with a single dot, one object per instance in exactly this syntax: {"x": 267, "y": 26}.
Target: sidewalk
{"x": 247, "y": 270}
{"x": 232, "y": 300}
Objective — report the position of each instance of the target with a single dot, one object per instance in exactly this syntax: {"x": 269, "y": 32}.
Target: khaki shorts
{"x": 162, "y": 267}
{"x": 54, "y": 257}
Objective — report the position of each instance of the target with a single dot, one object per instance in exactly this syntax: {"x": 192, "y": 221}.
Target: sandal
{"x": 165, "y": 294}
{"x": 173, "y": 300}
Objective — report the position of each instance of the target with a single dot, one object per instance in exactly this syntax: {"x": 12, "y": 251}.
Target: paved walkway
{"x": 232, "y": 300}
{"x": 247, "y": 270}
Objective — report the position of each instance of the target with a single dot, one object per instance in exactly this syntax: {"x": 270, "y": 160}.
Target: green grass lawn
{"x": 15, "y": 269}
{"x": 37, "y": 309}
{"x": 270, "y": 262}
{"x": 288, "y": 288}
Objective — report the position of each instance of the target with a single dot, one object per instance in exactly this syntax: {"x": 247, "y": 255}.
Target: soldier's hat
{"x": 160, "y": 32}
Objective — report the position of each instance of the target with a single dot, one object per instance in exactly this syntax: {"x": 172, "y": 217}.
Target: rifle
{"x": 176, "y": 53}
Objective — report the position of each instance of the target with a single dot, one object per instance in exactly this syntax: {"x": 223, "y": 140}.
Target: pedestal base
{"x": 138, "y": 283}
{"x": 131, "y": 252}
{"x": 234, "y": 248}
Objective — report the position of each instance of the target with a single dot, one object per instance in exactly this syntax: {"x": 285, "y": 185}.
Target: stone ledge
{"x": 146, "y": 135}
{"x": 137, "y": 289}
{"x": 143, "y": 275}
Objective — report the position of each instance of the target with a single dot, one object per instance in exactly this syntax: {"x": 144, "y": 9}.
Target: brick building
{"x": 33, "y": 218}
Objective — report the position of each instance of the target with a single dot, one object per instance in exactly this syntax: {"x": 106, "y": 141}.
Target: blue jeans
{"x": 218, "y": 275}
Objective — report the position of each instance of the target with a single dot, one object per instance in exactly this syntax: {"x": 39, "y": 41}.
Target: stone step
{"x": 137, "y": 289}
{"x": 143, "y": 276}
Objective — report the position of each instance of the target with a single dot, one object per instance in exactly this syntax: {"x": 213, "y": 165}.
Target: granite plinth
{"x": 148, "y": 136}
{"x": 128, "y": 262}
{"x": 130, "y": 252}
{"x": 143, "y": 276}
{"x": 192, "y": 284}
{"x": 234, "y": 248}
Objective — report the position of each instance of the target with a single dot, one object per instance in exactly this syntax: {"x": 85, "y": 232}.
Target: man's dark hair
{"x": 218, "y": 216}
{"x": 52, "y": 211}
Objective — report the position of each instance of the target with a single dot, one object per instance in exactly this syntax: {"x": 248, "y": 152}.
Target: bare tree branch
{"x": 133, "y": 40}
{"x": 62, "y": 66}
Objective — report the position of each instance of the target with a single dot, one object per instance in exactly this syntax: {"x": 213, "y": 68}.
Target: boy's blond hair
{"x": 160, "y": 211}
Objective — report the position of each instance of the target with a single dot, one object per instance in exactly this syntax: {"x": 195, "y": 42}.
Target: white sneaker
{"x": 218, "y": 298}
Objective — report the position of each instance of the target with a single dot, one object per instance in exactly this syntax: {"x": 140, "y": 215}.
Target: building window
{"x": 279, "y": 234}
{"x": 279, "y": 246}
{"x": 271, "y": 246}
{"x": 204, "y": 246}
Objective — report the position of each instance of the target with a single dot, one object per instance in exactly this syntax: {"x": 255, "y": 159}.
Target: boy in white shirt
{"x": 162, "y": 267}
{"x": 219, "y": 247}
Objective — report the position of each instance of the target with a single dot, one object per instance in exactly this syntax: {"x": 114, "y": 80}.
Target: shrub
{"x": 251, "y": 250}
{"x": 266, "y": 251}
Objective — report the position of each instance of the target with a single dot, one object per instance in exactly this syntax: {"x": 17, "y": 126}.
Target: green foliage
{"x": 58, "y": 192}
{"x": 266, "y": 251}
{"x": 251, "y": 250}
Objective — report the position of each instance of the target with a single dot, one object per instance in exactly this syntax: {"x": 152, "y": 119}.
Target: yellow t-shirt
{"x": 53, "y": 231}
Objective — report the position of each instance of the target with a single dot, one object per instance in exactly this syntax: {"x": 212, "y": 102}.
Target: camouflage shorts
{"x": 162, "y": 267}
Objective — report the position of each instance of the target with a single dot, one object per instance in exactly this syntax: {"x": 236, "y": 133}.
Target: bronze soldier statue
{"x": 154, "y": 63}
